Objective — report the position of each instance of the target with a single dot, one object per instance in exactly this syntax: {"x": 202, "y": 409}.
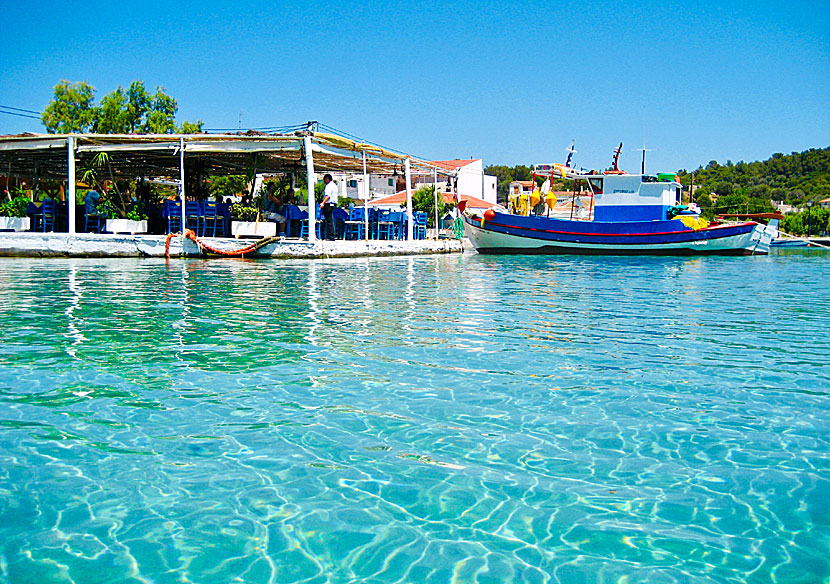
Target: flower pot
{"x": 14, "y": 223}
{"x": 126, "y": 226}
{"x": 253, "y": 229}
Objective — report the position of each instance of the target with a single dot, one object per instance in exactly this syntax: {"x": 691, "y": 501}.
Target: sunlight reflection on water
{"x": 482, "y": 419}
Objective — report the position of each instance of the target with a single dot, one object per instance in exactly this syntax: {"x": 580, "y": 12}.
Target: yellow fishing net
{"x": 695, "y": 223}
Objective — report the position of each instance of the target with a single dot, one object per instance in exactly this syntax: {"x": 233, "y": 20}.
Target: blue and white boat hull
{"x": 513, "y": 234}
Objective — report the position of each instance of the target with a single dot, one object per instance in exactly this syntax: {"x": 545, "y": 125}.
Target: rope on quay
{"x": 203, "y": 247}
{"x": 802, "y": 239}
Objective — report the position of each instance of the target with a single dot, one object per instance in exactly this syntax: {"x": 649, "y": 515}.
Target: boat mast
{"x": 644, "y": 150}
{"x": 617, "y": 158}
{"x": 571, "y": 151}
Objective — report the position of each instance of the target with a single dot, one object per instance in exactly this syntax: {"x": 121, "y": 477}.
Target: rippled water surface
{"x": 429, "y": 419}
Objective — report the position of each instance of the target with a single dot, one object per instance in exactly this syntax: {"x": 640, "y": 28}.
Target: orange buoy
{"x": 489, "y": 215}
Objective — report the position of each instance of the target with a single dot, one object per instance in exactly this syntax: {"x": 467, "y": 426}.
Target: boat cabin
{"x": 633, "y": 197}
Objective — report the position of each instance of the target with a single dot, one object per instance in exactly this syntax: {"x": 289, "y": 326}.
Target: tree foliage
{"x": 131, "y": 111}
{"x": 794, "y": 178}
{"x": 506, "y": 175}
{"x": 813, "y": 220}
{"x": 423, "y": 200}
{"x": 228, "y": 186}
{"x": 72, "y": 109}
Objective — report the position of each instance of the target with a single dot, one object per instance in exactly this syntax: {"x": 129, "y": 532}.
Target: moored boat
{"x": 614, "y": 213}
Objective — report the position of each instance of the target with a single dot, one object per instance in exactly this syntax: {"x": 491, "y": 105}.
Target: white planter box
{"x": 14, "y": 223}
{"x": 253, "y": 228}
{"x": 126, "y": 226}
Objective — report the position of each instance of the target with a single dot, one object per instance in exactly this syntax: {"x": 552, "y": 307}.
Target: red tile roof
{"x": 454, "y": 164}
{"x": 476, "y": 203}
{"x": 399, "y": 198}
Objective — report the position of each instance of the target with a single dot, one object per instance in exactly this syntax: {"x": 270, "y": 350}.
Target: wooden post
{"x": 435, "y": 192}
{"x": 70, "y": 180}
{"x": 181, "y": 185}
{"x": 408, "y": 170}
{"x": 312, "y": 179}
{"x": 365, "y": 200}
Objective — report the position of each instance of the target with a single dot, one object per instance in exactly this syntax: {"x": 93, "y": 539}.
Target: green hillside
{"x": 793, "y": 178}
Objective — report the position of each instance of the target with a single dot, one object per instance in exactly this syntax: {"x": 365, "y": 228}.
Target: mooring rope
{"x": 458, "y": 228}
{"x": 203, "y": 247}
{"x": 802, "y": 239}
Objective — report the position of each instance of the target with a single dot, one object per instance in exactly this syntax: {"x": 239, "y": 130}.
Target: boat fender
{"x": 550, "y": 200}
{"x": 535, "y": 197}
{"x": 489, "y": 215}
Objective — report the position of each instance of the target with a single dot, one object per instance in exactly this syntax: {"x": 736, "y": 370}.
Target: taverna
{"x": 180, "y": 225}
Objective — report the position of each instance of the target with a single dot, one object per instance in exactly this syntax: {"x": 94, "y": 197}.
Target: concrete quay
{"x": 29, "y": 244}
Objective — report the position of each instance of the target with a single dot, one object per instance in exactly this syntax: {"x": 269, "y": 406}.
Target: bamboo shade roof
{"x": 157, "y": 155}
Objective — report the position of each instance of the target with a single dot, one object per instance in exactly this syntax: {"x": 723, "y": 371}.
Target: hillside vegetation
{"x": 792, "y": 178}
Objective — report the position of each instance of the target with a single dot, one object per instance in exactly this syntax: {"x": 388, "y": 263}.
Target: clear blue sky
{"x": 508, "y": 82}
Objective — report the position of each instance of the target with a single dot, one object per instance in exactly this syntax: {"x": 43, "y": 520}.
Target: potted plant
{"x": 244, "y": 223}
{"x": 135, "y": 222}
{"x": 13, "y": 213}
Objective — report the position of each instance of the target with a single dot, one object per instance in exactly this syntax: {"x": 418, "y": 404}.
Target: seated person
{"x": 91, "y": 202}
{"x": 273, "y": 210}
{"x": 291, "y": 197}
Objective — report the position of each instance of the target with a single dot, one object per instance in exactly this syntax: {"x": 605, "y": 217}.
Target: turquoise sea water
{"x": 430, "y": 419}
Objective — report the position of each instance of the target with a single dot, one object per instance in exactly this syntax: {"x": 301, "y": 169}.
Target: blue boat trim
{"x": 612, "y": 233}
{"x": 556, "y": 249}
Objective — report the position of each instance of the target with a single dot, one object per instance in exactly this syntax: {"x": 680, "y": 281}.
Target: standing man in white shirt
{"x": 328, "y": 204}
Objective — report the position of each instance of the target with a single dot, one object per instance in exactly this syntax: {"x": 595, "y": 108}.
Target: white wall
{"x": 469, "y": 179}
{"x": 490, "y": 193}
{"x": 379, "y": 185}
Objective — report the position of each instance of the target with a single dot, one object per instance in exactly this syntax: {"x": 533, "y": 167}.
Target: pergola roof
{"x": 157, "y": 155}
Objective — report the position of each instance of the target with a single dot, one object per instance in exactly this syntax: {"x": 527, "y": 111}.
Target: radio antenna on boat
{"x": 571, "y": 151}
{"x": 616, "y": 167}
{"x": 644, "y": 150}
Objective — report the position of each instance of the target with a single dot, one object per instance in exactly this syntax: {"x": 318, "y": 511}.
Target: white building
{"x": 379, "y": 186}
{"x": 520, "y": 187}
{"x": 471, "y": 179}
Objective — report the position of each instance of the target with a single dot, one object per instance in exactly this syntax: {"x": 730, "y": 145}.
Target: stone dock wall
{"x": 28, "y": 244}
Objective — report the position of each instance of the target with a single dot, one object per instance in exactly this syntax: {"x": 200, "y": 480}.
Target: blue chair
{"x": 293, "y": 220}
{"x": 400, "y": 225}
{"x": 395, "y": 219}
{"x": 193, "y": 216}
{"x": 340, "y": 217}
{"x": 382, "y": 225}
{"x": 304, "y": 229}
{"x": 223, "y": 219}
{"x": 173, "y": 212}
{"x": 45, "y": 216}
{"x": 355, "y": 223}
{"x": 93, "y": 220}
{"x": 212, "y": 219}
{"x": 419, "y": 225}
{"x": 374, "y": 216}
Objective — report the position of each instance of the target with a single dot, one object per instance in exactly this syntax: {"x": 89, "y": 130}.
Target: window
{"x": 596, "y": 185}
{"x": 391, "y": 183}
{"x": 352, "y": 184}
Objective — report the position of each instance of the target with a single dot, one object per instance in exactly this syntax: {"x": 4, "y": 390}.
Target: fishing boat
{"x": 609, "y": 213}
